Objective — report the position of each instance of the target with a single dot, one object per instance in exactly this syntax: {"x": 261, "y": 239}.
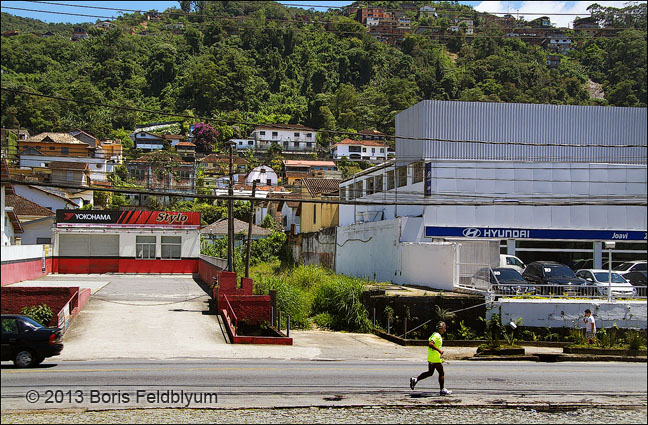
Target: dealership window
{"x": 171, "y": 247}
{"x": 378, "y": 183}
{"x": 390, "y": 180}
{"x": 145, "y": 247}
{"x": 417, "y": 172}
{"x": 402, "y": 176}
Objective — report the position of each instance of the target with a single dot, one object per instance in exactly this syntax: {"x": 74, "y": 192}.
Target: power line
{"x": 429, "y": 202}
{"x": 283, "y": 126}
{"x": 442, "y": 10}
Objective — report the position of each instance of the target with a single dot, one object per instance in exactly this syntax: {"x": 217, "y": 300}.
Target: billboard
{"x": 127, "y": 219}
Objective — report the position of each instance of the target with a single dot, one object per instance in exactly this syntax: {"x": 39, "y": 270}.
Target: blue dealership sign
{"x": 477, "y": 232}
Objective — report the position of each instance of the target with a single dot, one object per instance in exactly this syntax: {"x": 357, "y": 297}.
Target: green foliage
{"x": 493, "y": 331}
{"x": 246, "y": 66}
{"x": 607, "y": 338}
{"x": 577, "y": 336}
{"x": 465, "y": 332}
{"x": 340, "y": 296}
{"x": 635, "y": 339}
{"x": 40, "y": 313}
{"x": 323, "y": 320}
{"x": 292, "y": 300}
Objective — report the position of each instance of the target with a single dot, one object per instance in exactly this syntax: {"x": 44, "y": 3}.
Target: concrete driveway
{"x": 143, "y": 316}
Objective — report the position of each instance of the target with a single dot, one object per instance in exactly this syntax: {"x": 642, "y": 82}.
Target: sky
{"x": 549, "y": 8}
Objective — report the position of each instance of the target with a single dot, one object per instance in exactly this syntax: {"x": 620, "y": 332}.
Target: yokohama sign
{"x": 78, "y": 218}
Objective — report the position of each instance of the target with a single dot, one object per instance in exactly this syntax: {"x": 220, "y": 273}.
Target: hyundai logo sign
{"x": 471, "y": 232}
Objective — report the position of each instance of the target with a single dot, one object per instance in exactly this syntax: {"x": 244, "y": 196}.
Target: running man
{"x": 434, "y": 360}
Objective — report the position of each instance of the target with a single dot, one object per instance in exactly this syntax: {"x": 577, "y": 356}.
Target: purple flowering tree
{"x": 205, "y": 137}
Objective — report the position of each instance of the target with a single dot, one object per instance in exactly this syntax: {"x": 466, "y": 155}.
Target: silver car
{"x": 600, "y": 279}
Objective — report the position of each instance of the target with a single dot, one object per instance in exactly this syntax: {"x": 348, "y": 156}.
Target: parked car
{"x": 27, "y": 342}
{"x": 545, "y": 274}
{"x": 639, "y": 279}
{"x": 511, "y": 261}
{"x": 503, "y": 280}
{"x": 600, "y": 279}
{"x": 630, "y": 266}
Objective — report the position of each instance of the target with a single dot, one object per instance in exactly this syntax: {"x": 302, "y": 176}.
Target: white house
{"x": 367, "y": 150}
{"x": 45, "y": 197}
{"x": 292, "y": 138}
{"x": 263, "y": 175}
{"x": 99, "y": 167}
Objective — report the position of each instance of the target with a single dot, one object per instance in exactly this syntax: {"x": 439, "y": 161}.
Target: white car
{"x": 601, "y": 278}
{"x": 511, "y": 261}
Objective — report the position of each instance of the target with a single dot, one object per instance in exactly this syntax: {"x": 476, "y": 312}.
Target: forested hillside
{"x": 260, "y": 62}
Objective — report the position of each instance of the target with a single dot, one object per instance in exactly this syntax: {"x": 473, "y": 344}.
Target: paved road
{"x": 274, "y": 383}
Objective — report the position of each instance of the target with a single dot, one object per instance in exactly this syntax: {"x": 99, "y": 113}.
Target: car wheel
{"x": 25, "y": 358}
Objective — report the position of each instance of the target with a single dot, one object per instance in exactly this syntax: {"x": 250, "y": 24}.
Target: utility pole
{"x": 249, "y": 240}
{"x": 230, "y": 212}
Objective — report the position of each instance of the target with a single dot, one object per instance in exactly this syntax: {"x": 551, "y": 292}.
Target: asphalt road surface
{"x": 212, "y": 383}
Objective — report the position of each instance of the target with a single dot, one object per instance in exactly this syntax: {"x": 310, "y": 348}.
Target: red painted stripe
{"x": 135, "y": 217}
{"x": 120, "y": 216}
{"x": 148, "y": 216}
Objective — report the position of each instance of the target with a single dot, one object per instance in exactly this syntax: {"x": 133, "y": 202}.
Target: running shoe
{"x": 412, "y": 383}
{"x": 445, "y": 391}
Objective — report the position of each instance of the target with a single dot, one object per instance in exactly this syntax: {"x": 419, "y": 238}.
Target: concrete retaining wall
{"x": 25, "y": 262}
{"x": 569, "y": 313}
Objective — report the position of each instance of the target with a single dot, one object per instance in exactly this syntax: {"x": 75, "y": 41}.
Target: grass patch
{"x": 311, "y": 294}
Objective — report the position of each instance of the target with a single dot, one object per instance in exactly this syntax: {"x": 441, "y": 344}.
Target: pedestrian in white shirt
{"x": 590, "y": 327}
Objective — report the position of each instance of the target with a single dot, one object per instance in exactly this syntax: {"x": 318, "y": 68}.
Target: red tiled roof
{"x": 318, "y": 186}
{"x": 189, "y": 144}
{"x": 293, "y": 163}
{"x": 224, "y": 158}
{"x": 68, "y": 165}
{"x": 24, "y": 206}
{"x": 283, "y": 127}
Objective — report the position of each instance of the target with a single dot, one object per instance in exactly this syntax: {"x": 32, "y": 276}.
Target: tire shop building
{"x": 542, "y": 182}
{"x": 96, "y": 241}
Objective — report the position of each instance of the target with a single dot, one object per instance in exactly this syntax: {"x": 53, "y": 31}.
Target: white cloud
{"x": 548, "y": 8}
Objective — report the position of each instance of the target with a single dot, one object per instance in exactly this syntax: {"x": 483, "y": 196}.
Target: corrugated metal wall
{"x": 466, "y": 122}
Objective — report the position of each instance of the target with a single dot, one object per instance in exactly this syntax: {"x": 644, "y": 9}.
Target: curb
{"x": 551, "y": 358}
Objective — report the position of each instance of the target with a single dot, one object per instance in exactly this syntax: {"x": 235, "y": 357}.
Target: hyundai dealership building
{"x": 542, "y": 182}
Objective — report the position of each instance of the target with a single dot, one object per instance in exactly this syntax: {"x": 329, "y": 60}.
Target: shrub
{"x": 577, "y": 336}
{"x": 340, "y": 296}
{"x": 465, "y": 332}
{"x": 635, "y": 339}
{"x": 323, "y": 320}
{"x": 291, "y": 300}
{"x": 308, "y": 276}
{"x": 40, "y": 313}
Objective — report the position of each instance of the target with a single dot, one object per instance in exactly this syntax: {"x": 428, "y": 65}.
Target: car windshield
{"x": 623, "y": 267}
{"x": 558, "y": 271}
{"x": 641, "y": 267}
{"x": 512, "y": 261}
{"x": 507, "y": 274}
{"x": 32, "y": 324}
{"x": 603, "y": 277}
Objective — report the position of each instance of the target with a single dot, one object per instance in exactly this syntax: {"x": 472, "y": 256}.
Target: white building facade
{"x": 292, "y": 138}
{"x": 366, "y": 150}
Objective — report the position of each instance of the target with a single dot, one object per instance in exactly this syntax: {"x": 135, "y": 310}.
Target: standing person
{"x": 590, "y": 327}
{"x": 434, "y": 360}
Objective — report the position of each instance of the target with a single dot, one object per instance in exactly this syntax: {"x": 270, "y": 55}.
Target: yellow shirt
{"x": 433, "y": 355}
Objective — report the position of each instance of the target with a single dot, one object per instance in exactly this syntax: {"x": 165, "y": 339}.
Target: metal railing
{"x": 568, "y": 291}
{"x": 229, "y": 314}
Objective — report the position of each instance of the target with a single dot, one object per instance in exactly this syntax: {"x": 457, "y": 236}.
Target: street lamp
{"x": 610, "y": 246}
